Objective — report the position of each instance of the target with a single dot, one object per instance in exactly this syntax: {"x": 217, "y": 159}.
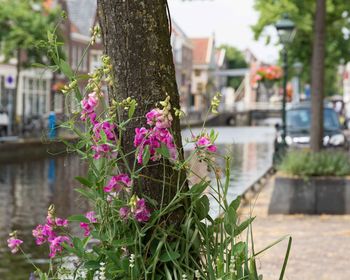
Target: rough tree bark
{"x": 136, "y": 36}
{"x": 317, "y": 76}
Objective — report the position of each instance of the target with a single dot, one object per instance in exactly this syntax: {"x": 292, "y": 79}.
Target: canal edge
{"x": 250, "y": 193}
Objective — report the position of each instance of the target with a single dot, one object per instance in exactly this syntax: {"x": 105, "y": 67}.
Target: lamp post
{"x": 286, "y": 31}
{"x": 298, "y": 68}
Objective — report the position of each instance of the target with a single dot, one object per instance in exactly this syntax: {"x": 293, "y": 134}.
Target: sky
{"x": 229, "y": 20}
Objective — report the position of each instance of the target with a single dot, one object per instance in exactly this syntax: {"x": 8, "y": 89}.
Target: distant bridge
{"x": 259, "y": 113}
{"x": 241, "y": 72}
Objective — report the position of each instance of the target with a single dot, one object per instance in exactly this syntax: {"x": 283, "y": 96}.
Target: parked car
{"x": 298, "y": 126}
{"x": 4, "y": 122}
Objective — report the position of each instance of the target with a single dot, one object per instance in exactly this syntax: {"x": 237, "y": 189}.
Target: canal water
{"x": 27, "y": 188}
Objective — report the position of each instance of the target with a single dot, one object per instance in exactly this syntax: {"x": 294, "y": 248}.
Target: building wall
{"x": 182, "y": 53}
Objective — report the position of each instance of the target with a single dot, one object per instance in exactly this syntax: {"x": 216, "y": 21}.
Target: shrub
{"x": 324, "y": 163}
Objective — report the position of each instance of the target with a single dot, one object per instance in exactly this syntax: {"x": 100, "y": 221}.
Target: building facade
{"x": 183, "y": 56}
{"x": 204, "y": 80}
{"x": 39, "y": 91}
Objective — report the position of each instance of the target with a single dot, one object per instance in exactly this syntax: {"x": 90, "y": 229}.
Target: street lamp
{"x": 298, "y": 68}
{"x": 286, "y": 31}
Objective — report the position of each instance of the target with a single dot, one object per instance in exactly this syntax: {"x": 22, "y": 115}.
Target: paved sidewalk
{"x": 320, "y": 248}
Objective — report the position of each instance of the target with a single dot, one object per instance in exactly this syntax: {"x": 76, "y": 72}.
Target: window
{"x": 74, "y": 57}
{"x": 199, "y": 87}
{"x": 183, "y": 79}
{"x": 197, "y": 72}
{"x": 35, "y": 94}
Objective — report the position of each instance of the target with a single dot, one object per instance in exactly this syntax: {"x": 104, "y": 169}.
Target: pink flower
{"x": 86, "y": 228}
{"x": 91, "y": 216}
{"x": 142, "y": 214}
{"x": 140, "y": 136}
{"x": 56, "y": 245}
{"x": 43, "y": 233}
{"x": 103, "y": 150}
{"x": 157, "y": 117}
{"x": 116, "y": 183}
{"x": 61, "y": 222}
{"x": 153, "y": 138}
{"x": 88, "y": 105}
{"x": 153, "y": 116}
{"x": 13, "y": 244}
{"x": 107, "y": 127}
{"x": 38, "y": 234}
{"x": 124, "y": 212}
{"x": 204, "y": 142}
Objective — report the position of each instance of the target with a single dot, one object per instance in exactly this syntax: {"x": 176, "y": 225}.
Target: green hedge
{"x": 307, "y": 164}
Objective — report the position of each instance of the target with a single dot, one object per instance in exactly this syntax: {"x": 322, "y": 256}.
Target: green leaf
{"x": 83, "y": 77}
{"x": 69, "y": 249}
{"x": 202, "y": 207}
{"x": 169, "y": 256}
{"x": 197, "y": 189}
{"x": 239, "y": 248}
{"x": 131, "y": 109}
{"x": 92, "y": 265}
{"x": 78, "y": 218}
{"x": 66, "y": 69}
{"x": 286, "y": 258}
{"x": 84, "y": 181}
{"x": 79, "y": 246}
{"x": 235, "y": 203}
{"x": 243, "y": 226}
{"x": 87, "y": 193}
{"x": 39, "y": 65}
{"x": 230, "y": 219}
{"x": 146, "y": 155}
{"x": 163, "y": 150}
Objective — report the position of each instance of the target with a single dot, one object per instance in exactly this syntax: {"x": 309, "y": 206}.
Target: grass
{"x": 307, "y": 164}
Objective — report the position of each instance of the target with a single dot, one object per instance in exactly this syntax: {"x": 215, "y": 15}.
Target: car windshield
{"x": 300, "y": 119}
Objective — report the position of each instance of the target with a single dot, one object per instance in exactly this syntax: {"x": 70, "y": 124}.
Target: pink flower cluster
{"x": 155, "y": 136}
{"x": 116, "y": 184}
{"x": 204, "y": 143}
{"x": 88, "y": 105}
{"x": 91, "y": 216}
{"x": 139, "y": 211}
{"x": 46, "y": 233}
{"x": 158, "y": 118}
{"x": 102, "y": 150}
{"x": 14, "y": 243}
{"x": 108, "y": 129}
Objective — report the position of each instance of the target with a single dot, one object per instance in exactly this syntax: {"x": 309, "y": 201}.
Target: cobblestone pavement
{"x": 320, "y": 248}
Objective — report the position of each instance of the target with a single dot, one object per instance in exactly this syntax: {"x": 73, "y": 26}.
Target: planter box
{"x": 315, "y": 195}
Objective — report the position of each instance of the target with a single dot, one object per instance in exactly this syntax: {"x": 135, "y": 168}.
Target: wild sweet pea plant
{"x": 127, "y": 235}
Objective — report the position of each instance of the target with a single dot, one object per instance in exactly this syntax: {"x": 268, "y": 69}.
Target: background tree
{"x": 22, "y": 26}
{"x": 235, "y": 59}
{"x": 317, "y": 85}
{"x": 136, "y": 36}
{"x": 302, "y": 12}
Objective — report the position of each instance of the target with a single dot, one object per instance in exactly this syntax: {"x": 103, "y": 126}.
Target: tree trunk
{"x": 136, "y": 37}
{"x": 317, "y": 76}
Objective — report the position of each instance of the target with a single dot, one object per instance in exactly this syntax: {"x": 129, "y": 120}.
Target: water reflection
{"x": 26, "y": 190}
{"x": 251, "y": 152}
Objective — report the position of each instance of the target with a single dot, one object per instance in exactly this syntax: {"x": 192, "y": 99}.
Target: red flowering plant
{"x": 124, "y": 236}
{"x": 268, "y": 73}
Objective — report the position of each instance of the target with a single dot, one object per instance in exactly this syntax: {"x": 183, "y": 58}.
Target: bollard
{"x": 52, "y": 125}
